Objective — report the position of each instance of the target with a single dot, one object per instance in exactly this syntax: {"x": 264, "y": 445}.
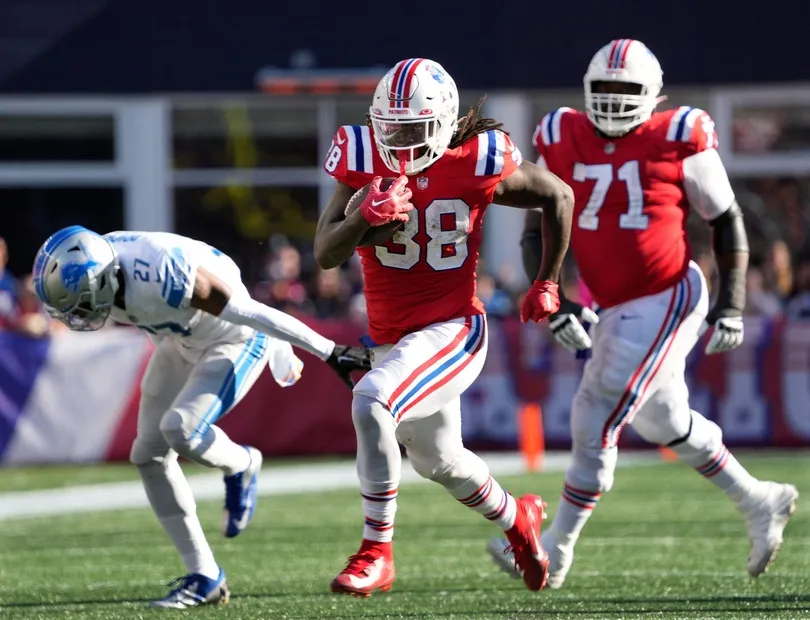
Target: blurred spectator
{"x": 8, "y": 290}
{"x": 795, "y": 217}
{"x": 799, "y": 305}
{"x": 761, "y": 301}
{"x": 779, "y": 271}
{"x": 281, "y": 287}
{"x": 33, "y": 320}
{"x": 331, "y": 294}
{"x": 497, "y": 302}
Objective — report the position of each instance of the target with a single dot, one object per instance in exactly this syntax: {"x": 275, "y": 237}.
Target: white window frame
{"x": 141, "y": 161}
{"x": 738, "y": 165}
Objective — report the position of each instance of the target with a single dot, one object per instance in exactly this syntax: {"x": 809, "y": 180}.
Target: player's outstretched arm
{"x": 338, "y": 235}
{"x": 213, "y": 296}
{"x": 532, "y": 187}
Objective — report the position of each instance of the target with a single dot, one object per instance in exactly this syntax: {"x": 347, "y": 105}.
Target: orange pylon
{"x": 531, "y": 438}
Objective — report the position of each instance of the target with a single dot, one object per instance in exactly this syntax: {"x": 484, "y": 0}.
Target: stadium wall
{"x": 73, "y": 398}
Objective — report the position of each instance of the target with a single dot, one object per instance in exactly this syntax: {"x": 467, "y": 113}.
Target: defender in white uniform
{"x": 212, "y": 342}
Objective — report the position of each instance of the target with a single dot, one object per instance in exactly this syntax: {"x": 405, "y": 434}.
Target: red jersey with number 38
{"x": 628, "y": 235}
{"x": 426, "y": 273}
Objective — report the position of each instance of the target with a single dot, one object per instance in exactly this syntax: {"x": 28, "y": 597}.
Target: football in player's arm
{"x": 528, "y": 187}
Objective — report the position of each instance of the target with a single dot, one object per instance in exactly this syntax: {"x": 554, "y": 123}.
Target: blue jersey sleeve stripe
{"x": 360, "y": 156}
{"x": 177, "y": 278}
{"x": 491, "y": 152}
{"x": 176, "y": 293}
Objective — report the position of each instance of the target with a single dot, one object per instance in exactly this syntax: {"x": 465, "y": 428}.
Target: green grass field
{"x": 663, "y": 544}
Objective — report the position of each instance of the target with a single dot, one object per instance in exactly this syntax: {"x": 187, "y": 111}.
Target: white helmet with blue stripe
{"x": 76, "y": 277}
{"x": 622, "y": 85}
{"x": 414, "y": 114}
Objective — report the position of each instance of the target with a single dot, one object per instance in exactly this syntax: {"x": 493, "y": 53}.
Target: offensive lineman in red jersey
{"x": 635, "y": 174}
{"x": 427, "y": 326}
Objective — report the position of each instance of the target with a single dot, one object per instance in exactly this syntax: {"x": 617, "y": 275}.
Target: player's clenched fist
{"x": 542, "y": 300}
{"x": 385, "y": 206}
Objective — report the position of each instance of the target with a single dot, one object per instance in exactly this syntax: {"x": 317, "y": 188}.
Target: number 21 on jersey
{"x": 446, "y": 224}
{"x": 628, "y": 173}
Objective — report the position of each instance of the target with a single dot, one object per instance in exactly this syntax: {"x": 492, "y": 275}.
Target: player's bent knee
{"x": 434, "y": 468}
{"x": 146, "y": 452}
{"x": 703, "y": 440}
{"x": 174, "y": 431}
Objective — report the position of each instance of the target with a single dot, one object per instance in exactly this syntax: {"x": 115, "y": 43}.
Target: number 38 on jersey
{"x": 445, "y": 223}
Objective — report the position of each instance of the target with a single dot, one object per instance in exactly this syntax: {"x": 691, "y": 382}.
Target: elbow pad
{"x": 729, "y": 231}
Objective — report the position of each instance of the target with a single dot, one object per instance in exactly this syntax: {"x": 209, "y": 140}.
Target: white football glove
{"x": 567, "y": 329}
{"x": 727, "y": 335}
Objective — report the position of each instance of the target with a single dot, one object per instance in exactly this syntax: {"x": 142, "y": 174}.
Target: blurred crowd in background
{"x": 777, "y": 218}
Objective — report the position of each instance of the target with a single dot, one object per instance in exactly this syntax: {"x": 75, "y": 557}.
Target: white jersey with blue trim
{"x": 159, "y": 271}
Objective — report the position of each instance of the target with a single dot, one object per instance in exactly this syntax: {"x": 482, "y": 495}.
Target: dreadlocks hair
{"x": 470, "y": 125}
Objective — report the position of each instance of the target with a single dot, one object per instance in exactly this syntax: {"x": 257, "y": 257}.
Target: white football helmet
{"x": 622, "y": 86}
{"x": 76, "y": 277}
{"x": 414, "y": 114}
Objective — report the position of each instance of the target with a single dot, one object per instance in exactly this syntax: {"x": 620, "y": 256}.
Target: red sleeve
{"x": 548, "y": 137}
{"x": 692, "y": 129}
{"x": 496, "y": 157}
{"x": 704, "y": 136}
{"x": 350, "y": 158}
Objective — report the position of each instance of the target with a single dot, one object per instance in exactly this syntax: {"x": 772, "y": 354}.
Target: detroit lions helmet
{"x": 414, "y": 114}
{"x": 622, "y": 85}
{"x": 76, "y": 277}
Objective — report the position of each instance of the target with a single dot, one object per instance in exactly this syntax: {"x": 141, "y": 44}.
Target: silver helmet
{"x": 76, "y": 277}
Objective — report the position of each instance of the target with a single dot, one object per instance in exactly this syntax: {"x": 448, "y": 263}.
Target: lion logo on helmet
{"x": 72, "y": 274}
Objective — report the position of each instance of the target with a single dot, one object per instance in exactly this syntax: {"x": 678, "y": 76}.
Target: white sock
{"x": 187, "y": 535}
{"x": 173, "y": 503}
{"x": 479, "y": 490}
{"x": 379, "y": 510}
{"x": 573, "y": 513}
{"x": 490, "y": 500}
{"x": 703, "y": 449}
{"x": 725, "y": 471}
{"x": 379, "y": 466}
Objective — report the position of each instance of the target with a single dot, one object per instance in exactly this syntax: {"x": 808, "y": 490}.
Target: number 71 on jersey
{"x": 629, "y": 174}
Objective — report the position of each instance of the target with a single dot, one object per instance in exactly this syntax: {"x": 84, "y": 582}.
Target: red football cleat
{"x": 371, "y": 568}
{"x": 524, "y": 538}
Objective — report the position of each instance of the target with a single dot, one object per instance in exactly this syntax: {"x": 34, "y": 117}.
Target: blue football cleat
{"x": 240, "y": 496}
{"x": 195, "y": 590}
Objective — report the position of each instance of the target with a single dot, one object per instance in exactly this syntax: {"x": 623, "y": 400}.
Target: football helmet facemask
{"x": 622, "y": 85}
{"x": 414, "y": 114}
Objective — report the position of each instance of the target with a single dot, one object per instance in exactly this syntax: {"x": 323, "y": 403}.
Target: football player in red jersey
{"x": 427, "y": 327}
{"x": 635, "y": 174}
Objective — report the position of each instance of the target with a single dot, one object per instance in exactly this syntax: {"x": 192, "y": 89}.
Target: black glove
{"x": 566, "y": 325}
{"x": 346, "y": 359}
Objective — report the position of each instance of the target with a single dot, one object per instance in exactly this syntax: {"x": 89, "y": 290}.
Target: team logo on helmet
{"x": 72, "y": 274}
{"x": 436, "y": 74}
